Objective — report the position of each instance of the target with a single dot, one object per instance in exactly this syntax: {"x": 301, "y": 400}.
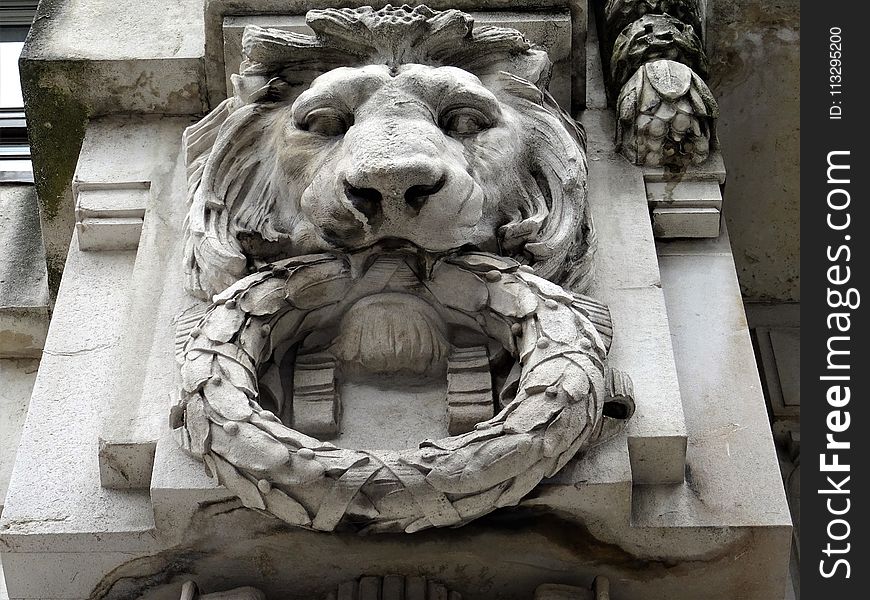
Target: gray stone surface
{"x": 55, "y": 485}
{"x": 685, "y": 222}
{"x": 24, "y": 301}
{"x": 755, "y": 74}
{"x": 110, "y": 218}
{"x": 730, "y": 437}
{"x": 122, "y": 158}
{"x": 628, "y": 280}
{"x": 16, "y": 383}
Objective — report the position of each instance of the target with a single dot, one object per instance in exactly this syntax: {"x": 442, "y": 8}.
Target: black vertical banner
{"x": 835, "y": 300}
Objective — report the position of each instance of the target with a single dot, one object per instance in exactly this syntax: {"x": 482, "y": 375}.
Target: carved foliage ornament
{"x": 655, "y": 37}
{"x": 619, "y": 13}
{"x": 666, "y": 112}
{"x": 398, "y": 184}
{"x": 666, "y": 115}
{"x": 399, "y": 587}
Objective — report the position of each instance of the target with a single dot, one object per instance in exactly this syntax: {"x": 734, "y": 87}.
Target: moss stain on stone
{"x": 56, "y": 121}
{"x": 56, "y": 125}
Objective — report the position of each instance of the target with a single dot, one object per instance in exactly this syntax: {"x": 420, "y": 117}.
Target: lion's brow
{"x": 351, "y": 84}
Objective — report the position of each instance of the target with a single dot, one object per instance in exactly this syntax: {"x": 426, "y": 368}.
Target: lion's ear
{"x": 254, "y": 88}
{"x": 520, "y": 88}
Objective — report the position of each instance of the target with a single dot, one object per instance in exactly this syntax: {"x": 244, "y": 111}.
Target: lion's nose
{"x": 366, "y": 200}
{"x": 411, "y": 181}
{"x": 416, "y": 195}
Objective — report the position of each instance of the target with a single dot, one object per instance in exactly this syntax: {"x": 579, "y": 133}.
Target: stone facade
{"x": 389, "y": 284}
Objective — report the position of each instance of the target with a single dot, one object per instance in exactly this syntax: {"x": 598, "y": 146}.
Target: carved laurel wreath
{"x": 558, "y": 408}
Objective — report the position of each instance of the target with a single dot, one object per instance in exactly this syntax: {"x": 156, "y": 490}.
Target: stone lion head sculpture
{"x": 398, "y": 126}
{"x": 390, "y": 201}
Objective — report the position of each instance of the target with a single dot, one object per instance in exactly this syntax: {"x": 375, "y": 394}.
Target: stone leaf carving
{"x": 666, "y": 116}
{"x": 394, "y": 587}
{"x": 620, "y": 13}
{"x": 401, "y": 587}
{"x": 559, "y": 406}
{"x": 393, "y": 191}
{"x": 654, "y": 37}
{"x": 190, "y": 591}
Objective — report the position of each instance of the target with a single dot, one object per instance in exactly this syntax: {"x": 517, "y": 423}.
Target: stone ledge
{"x": 24, "y": 300}
{"x": 110, "y": 216}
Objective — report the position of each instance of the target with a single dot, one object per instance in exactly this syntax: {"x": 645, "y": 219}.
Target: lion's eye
{"x": 465, "y": 121}
{"x": 326, "y": 121}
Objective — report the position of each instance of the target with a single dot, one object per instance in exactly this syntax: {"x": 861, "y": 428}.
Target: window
{"x": 15, "y": 19}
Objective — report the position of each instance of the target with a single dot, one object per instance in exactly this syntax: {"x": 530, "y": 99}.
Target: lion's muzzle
{"x": 396, "y": 173}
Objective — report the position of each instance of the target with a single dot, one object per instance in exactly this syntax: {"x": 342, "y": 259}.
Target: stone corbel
{"x": 110, "y": 216}
{"x": 666, "y": 114}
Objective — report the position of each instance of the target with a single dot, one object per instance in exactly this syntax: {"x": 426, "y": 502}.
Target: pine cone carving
{"x": 666, "y": 116}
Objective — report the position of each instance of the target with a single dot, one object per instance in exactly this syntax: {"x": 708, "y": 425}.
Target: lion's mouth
{"x": 419, "y": 258}
{"x": 389, "y": 330}
{"x": 390, "y": 322}
{"x": 392, "y": 332}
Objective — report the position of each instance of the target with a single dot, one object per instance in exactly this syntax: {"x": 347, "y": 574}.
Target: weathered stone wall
{"x": 754, "y": 50}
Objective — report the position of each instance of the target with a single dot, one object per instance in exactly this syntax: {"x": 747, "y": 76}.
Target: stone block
{"x": 55, "y": 574}
{"x": 178, "y": 486}
{"x": 111, "y": 233}
{"x": 469, "y": 389}
{"x": 681, "y": 193}
{"x": 627, "y": 273}
{"x": 24, "y": 300}
{"x": 656, "y": 432}
{"x": 685, "y": 222}
{"x": 17, "y": 376}
{"x": 730, "y": 452}
{"x": 713, "y": 169}
{"x": 125, "y": 164}
{"x": 126, "y": 466}
{"x": 786, "y": 344}
{"x": 779, "y": 357}
{"x": 113, "y": 179}
{"x": 122, "y": 199}
{"x": 55, "y": 501}
{"x": 316, "y": 405}
{"x": 688, "y": 205}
